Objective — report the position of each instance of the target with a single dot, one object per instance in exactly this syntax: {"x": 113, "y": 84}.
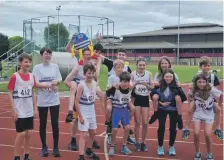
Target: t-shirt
{"x": 141, "y": 89}
{"x": 204, "y": 108}
{"x": 87, "y": 100}
{"x": 167, "y": 96}
{"x": 119, "y": 97}
{"x": 12, "y": 80}
{"x": 110, "y": 64}
{"x": 22, "y": 86}
{"x": 113, "y": 80}
{"x": 47, "y": 73}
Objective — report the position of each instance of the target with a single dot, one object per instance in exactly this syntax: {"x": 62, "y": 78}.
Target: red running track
{"x": 185, "y": 149}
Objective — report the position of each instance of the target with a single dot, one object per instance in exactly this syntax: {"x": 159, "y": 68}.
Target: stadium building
{"x": 196, "y": 40}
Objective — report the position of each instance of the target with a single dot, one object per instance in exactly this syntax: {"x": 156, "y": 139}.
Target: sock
{"x": 131, "y": 132}
{"x": 17, "y": 158}
{"x": 124, "y": 145}
{"x": 73, "y": 140}
{"x": 81, "y": 156}
{"x": 89, "y": 150}
{"x": 26, "y": 156}
{"x": 70, "y": 112}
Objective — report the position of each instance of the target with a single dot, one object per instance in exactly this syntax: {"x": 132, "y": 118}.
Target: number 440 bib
{"x": 25, "y": 91}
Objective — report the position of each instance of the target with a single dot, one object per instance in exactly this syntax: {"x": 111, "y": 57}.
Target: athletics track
{"x": 185, "y": 149}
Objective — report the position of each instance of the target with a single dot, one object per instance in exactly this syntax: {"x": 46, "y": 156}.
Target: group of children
{"x": 127, "y": 95}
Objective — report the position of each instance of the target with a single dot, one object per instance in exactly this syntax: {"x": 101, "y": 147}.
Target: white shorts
{"x": 89, "y": 123}
{"x": 208, "y": 121}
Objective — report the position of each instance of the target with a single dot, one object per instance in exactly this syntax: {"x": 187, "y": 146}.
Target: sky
{"x": 129, "y": 16}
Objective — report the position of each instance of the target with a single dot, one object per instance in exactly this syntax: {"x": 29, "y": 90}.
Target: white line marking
{"x": 120, "y": 155}
{"x": 101, "y": 134}
{"x": 101, "y": 124}
{"x": 215, "y": 144}
{"x": 66, "y": 133}
{"x": 4, "y": 109}
{"x": 5, "y": 112}
{"x": 105, "y": 148}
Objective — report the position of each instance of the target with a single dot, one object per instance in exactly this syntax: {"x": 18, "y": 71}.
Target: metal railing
{"x": 12, "y": 48}
{"x": 18, "y": 50}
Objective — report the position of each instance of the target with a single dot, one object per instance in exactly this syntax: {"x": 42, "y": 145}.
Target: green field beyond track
{"x": 185, "y": 74}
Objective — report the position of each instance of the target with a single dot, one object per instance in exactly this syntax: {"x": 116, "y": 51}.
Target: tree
{"x": 53, "y": 36}
{"x": 4, "y": 45}
{"x": 13, "y": 41}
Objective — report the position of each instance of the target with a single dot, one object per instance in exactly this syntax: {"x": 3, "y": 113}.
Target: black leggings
{"x": 162, "y": 123}
{"x": 43, "y": 112}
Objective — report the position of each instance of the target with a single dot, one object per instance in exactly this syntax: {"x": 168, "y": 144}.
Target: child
{"x": 164, "y": 64}
{"x": 72, "y": 81}
{"x": 205, "y": 67}
{"x": 167, "y": 92}
{"x": 48, "y": 99}
{"x": 85, "y": 99}
{"x": 121, "y": 55}
{"x": 23, "y": 104}
{"x": 203, "y": 95}
{"x": 142, "y": 81}
{"x": 121, "y": 100}
{"x": 113, "y": 80}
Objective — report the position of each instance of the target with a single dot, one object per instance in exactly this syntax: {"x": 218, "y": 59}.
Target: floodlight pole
{"x": 58, "y": 8}
{"x": 102, "y": 28}
{"x": 79, "y": 17}
{"x": 31, "y": 27}
{"x": 108, "y": 37}
{"x": 48, "y": 30}
{"x": 178, "y": 36}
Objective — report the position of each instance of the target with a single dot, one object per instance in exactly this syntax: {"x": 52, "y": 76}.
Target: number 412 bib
{"x": 25, "y": 91}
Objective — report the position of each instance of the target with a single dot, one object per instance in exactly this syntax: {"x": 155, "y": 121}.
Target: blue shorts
{"x": 120, "y": 114}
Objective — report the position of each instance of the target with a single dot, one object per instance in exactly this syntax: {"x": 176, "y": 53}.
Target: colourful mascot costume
{"x": 80, "y": 42}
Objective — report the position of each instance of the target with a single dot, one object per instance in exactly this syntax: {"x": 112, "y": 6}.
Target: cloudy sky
{"x": 129, "y": 16}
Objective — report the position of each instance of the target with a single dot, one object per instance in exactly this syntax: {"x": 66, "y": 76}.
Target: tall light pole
{"x": 58, "y": 8}
{"x": 178, "y": 36}
{"x": 31, "y": 27}
{"x": 102, "y": 28}
{"x": 48, "y": 30}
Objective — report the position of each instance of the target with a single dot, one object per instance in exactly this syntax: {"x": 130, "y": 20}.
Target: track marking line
{"x": 101, "y": 134}
{"x": 105, "y": 148}
{"x": 67, "y": 133}
{"x": 101, "y": 124}
{"x": 119, "y": 155}
{"x": 4, "y": 112}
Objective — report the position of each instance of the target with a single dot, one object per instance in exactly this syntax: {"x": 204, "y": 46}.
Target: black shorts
{"x": 142, "y": 101}
{"x": 23, "y": 124}
{"x": 153, "y": 92}
{"x": 76, "y": 80}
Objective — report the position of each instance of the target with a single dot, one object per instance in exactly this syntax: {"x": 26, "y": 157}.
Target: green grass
{"x": 185, "y": 74}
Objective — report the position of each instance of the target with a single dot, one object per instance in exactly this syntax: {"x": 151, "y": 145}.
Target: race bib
{"x": 140, "y": 89}
{"x": 25, "y": 91}
{"x": 90, "y": 97}
{"x": 203, "y": 105}
{"x": 125, "y": 98}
